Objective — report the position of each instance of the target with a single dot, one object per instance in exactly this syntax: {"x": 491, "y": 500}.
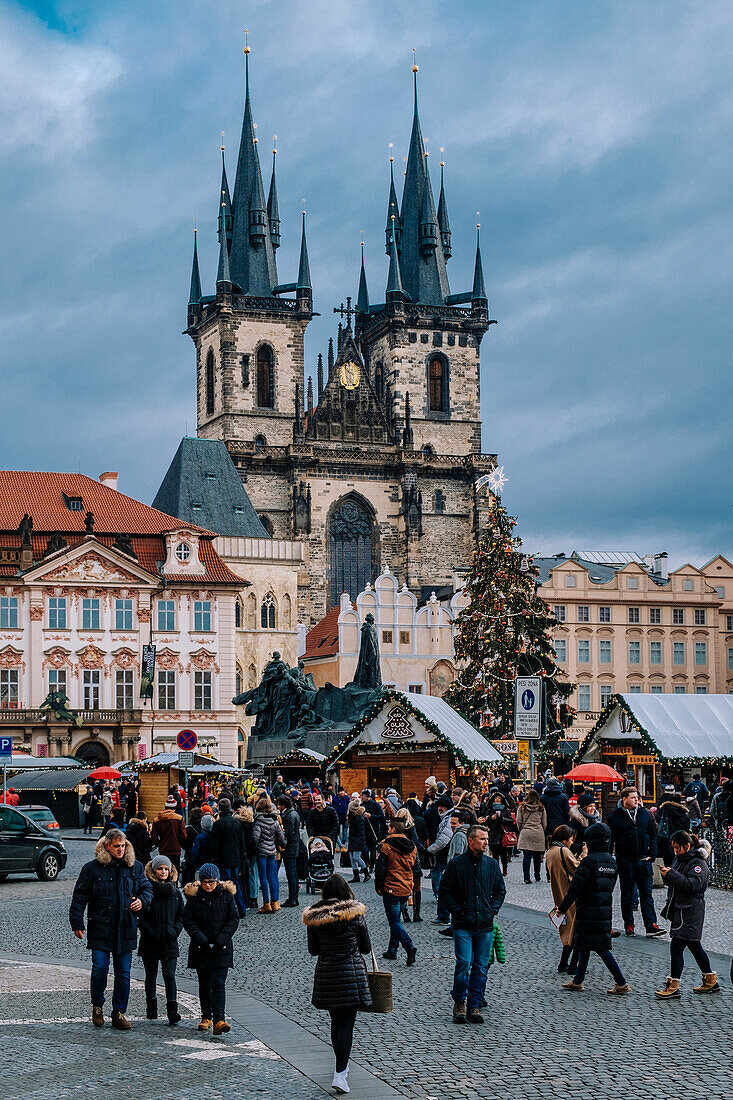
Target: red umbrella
{"x": 595, "y": 773}
{"x": 105, "y": 773}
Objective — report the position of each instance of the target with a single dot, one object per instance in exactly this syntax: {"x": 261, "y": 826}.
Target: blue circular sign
{"x": 527, "y": 699}
{"x": 186, "y": 740}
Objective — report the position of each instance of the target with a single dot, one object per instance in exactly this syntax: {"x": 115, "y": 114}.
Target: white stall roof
{"x": 680, "y": 725}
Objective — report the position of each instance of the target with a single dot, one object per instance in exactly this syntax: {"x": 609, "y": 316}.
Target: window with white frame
{"x": 655, "y": 616}
{"x": 57, "y": 612}
{"x": 561, "y": 649}
{"x": 634, "y": 653}
{"x": 57, "y": 679}
{"x": 730, "y": 659}
{"x": 678, "y": 616}
{"x": 9, "y": 612}
{"x": 634, "y": 689}
{"x": 123, "y": 614}
{"x": 202, "y": 691}
{"x": 701, "y": 653}
{"x": 202, "y": 619}
{"x": 9, "y": 688}
{"x": 729, "y": 622}
{"x": 583, "y": 613}
{"x": 700, "y": 616}
{"x": 570, "y": 580}
{"x": 91, "y": 688}
{"x": 583, "y": 696}
{"x": 604, "y": 651}
{"x": 680, "y": 689}
{"x": 166, "y": 691}
{"x": 634, "y": 614}
{"x": 701, "y": 689}
{"x": 604, "y": 614}
{"x": 559, "y": 612}
{"x": 657, "y": 689}
{"x": 687, "y": 585}
{"x": 606, "y": 693}
{"x": 678, "y": 653}
{"x": 90, "y": 614}
{"x": 166, "y": 615}
{"x": 125, "y": 689}
{"x": 583, "y": 651}
{"x": 655, "y": 653}
{"x": 633, "y": 582}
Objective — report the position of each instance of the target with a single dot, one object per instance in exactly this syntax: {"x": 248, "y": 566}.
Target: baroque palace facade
{"x": 380, "y": 467}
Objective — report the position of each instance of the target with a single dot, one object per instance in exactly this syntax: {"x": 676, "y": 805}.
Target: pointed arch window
{"x": 210, "y": 382}
{"x": 268, "y": 613}
{"x": 379, "y": 381}
{"x": 351, "y": 547}
{"x": 238, "y": 614}
{"x": 265, "y": 377}
{"x": 438, "y": 384}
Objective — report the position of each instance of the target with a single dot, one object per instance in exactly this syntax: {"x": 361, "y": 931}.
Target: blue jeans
{"x": 121, "y": 987}
{"x": 268, "y": 878}
{"x": 343, "y": 834}
{"x": 232, "y": 873}
{"x": 606, "y": 957}
{"x": 397, "y": 934}
{"x": 357, "y": 861}
{"x": 639, "y": 874}
{"x": 254, "y": 879}
{"x": 436, "y": 875}
{"x": 291, "y": 874}
{"x": 473, "y": 951}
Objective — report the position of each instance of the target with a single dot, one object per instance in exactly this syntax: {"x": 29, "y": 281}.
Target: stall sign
{"x": 142, "y": 752}
{"x": 507, "y": 748}
{"x": 642, "y": 760}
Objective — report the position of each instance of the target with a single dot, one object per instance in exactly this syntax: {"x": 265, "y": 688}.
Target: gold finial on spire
{"x": 254, "y": 126}
{"x": 246, "y": 41}
{"x": 426, "y": 140}
{"x": 303, "y": 207}
{"x": 274, "y": 145}
{"x": 195, "y": 225}
{"x": 391, "y": 157}
{"x": 222, "y": 141}
{"x": 414, "y": 61}
{"x": 442, "y": 163}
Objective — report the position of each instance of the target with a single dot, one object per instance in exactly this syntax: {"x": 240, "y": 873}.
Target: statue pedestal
{"x": 262, "y": 752}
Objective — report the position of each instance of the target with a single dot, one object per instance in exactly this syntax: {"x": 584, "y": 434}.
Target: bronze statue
{"x": 89, "y": 523}
{"x": 57, "y": 702}
{"x": 368, "y": 673}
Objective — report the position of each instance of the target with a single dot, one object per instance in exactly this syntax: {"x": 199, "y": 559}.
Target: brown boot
{"x": 619, "y": 990}
{"x": 97, "y": 1015}
{"x": 266, "y": 908}
{"x": 221, "y": 1027}
{"x": 274, "y": 906}
{"x": 670, "y": 990}
{"x": 205, "y": 1024}
{"x": 573, "y": 987}
{"x": 459, "y": 1012}
{"x": 709, "y": 984}
{"x": 120, "y": 1021}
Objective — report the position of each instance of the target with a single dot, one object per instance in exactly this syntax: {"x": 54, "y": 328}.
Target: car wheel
{"x": 48, "y": 867}
{"x": 3, "y": 877}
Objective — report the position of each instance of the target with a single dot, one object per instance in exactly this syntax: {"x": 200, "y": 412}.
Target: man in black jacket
{"x": 291, "y": 828}
{"x": 635, "y": 843}
{"x": 227, "y": 849}
{"x": 113, "y": 889}
{"x": 472, "y": 890}
{"x": 323, "y": 820}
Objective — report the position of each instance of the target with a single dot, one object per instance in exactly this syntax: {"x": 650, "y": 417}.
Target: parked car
{"x": 29, "y": 845}
{"x": 43, "y": 817}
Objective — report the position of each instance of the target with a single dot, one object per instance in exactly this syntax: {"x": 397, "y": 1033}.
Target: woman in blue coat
{"x": 686, "y": 881}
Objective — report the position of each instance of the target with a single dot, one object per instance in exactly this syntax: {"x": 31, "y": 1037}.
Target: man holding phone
{"x": 635, "y": 843}
{"x": 112, "y": 888}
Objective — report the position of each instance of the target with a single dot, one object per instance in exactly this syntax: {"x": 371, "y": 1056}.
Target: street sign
{"x": 6, "y": 746}
{"x": 187, "y": 740}
{"x": 523, "y": 752}
{"x": 185, "y": 760}
{"x": 528, "y": 708}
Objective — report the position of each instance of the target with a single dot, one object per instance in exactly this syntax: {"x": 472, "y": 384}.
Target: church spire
{"x": 225, "y": 201}
{"x": 443, "y": 222}
{"x": 194, "y": 295}
{"x": 273, "y": 213}
{"x": 304, "y": 271}
{"x": 393, "y": 210}
{"x": 223, "y": 274}
{"x": 330, "y": 358}
{"x": 478, "y": 294}
{"x": 362, "y": 300}
{"x": 395, "y": 290}
{"x": 252, "y": 254}
{"x": 320, "y": 375}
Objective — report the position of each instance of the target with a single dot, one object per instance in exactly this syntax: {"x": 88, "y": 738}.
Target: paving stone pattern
{"x": 535, "y": 1036}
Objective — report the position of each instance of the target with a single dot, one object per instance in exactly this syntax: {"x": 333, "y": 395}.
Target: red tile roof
{"x": 322, "y": 640}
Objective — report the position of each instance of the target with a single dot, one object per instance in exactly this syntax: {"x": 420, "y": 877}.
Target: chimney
{"x": 660, "y": 564}
{"x": 109, "y": 478}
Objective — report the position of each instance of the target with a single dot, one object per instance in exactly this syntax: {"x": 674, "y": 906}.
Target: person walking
{"x": 267, "y": 834}
{"x": 138, "y": 833}
{"x": 112, "y": 889}
{"x": 377, "y": 824}
{"x": 291, "y": 828}
{"x": 438, "y": 849}
{"x": 131, "y": 800}
{"x": 210, "y": 918}
{"x": 323, "y": 820}
{"x": 404, "y": 815}
{"x": 227, "y": 849}
{"x": 472, "y": 890}
{"x": 357, "y": 841}
{"x": 85, "y": 802}
{"x": 169, "y": 833}
{"x": 582, "y": 815}
{"x": 338, "y": 936}
{"x": 498, "y": 822}
{"x": 591, "y": 891}
{"x": 340, "y": 803}
{"x": 672, "y": 817}
{"x": 531, "y": 823}
{"x": 160, "y": 926}
{"x": 561, "y": 866}
{"x": 279, "y": 787}
{"x": 557, "y": 806}
{"x": 393, "y": 881}
{"x": 107, "y": 805}
{"x": 686, "y": 881}
{"x": 635, "y": 843}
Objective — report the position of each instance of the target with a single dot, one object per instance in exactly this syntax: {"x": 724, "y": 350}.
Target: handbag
{"x": 509, "y": 839}
{"x": 380, "y": 988}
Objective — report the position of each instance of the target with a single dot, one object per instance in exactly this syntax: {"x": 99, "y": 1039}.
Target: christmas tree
{"x": 505, "y": 632}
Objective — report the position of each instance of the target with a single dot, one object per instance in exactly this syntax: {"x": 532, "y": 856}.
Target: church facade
{"x": 378, "y": 465}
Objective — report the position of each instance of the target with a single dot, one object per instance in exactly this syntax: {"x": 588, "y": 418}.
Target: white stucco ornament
{"x": 497, "y": 480}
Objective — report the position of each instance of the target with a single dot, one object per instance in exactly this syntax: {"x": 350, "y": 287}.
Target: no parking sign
{"x": 187, "y": 740}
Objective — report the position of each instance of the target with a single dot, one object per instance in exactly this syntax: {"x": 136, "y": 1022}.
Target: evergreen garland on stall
{"x": 505, "y": 632}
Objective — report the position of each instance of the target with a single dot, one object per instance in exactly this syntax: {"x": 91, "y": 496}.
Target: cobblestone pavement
{"x": 535, "y": 1036}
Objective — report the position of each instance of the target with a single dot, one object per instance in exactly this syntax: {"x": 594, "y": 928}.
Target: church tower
{"x": 249, "y": 334}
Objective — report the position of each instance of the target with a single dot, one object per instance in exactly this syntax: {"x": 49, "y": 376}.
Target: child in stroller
{"x": 320, "y": 863}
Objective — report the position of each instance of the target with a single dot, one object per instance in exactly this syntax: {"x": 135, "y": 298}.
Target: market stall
{"x": 157, "y": 774}
{"x": 294, "y": 765}
{"x": 405, "y": 737}
{"x": 58, "y": 789}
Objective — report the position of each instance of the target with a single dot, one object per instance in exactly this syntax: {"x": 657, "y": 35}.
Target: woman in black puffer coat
{"x": 337, "y": 934}
{"x": 211, "y": 919}
{"x": 591, "y": 888}
{"x": 160, "y": 926}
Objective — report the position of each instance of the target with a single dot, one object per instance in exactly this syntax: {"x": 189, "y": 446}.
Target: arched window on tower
{"x": 210, "y": 382}
{"x": 238, "y": 614}
{"x": 438, "y": 384}
{"x": 266, "y": 522}
{"x": 265, "y": 377}
{"x": 439, "y": 502}
{"x": 379, "y": 381}
{"x": 351, "y": 550}
{"x": 268, "y": 613}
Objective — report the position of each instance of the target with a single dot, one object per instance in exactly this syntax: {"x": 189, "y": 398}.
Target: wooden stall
{"x": 157, "y": 774}
{"x": 301, "y": 763}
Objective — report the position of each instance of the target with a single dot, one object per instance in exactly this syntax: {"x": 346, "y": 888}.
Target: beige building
{"x": 624, "y": 624}
{"x": 415, "y": 638}
{"x": 719, "y": 573}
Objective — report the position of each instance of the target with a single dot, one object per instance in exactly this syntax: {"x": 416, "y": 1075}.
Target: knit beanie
{"x": 160, "y": 861}
{"x": 206, "y": 823}
{"x": 170, "y": 803}
{"x": 585, "y": 800}
{"x": 208, "y": 870}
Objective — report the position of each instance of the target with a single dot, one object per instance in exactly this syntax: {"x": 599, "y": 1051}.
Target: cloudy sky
{"x": 594, "y": 138}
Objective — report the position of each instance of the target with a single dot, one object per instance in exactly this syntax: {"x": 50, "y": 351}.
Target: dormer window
{"x": 183, "y": 551}
{"x": 74, "y": 504}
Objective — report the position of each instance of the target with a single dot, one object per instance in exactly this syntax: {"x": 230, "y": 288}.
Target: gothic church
{"x": 382, "y": 464}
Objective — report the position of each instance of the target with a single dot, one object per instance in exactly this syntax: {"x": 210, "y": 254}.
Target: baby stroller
{"x": 320, "y": 863}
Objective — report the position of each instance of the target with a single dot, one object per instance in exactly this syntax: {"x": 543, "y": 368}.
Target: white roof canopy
{"x": 681, "y": 726}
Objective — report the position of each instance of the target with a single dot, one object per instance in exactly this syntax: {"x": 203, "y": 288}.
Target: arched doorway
{"x": 352, "y": 549}
{"x": 94, "y": 753}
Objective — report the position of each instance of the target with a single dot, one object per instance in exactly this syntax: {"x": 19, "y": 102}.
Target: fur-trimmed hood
{"x": 151, "y": 877}
{"x": 137, "y": 821}
{"x": 191, "y": 889}
{"x": 671, "y": 803}
{"x": 704, "y": 850}
{"x": 331, "y": 912}
{"x": 168, "y": 815}
{"x": 244, "y": 813}
{"x": 102, "y": 855}
{"x": 578, "y": 814}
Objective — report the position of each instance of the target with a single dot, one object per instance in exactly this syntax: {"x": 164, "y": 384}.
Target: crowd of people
{"x": 232, "y": 848}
